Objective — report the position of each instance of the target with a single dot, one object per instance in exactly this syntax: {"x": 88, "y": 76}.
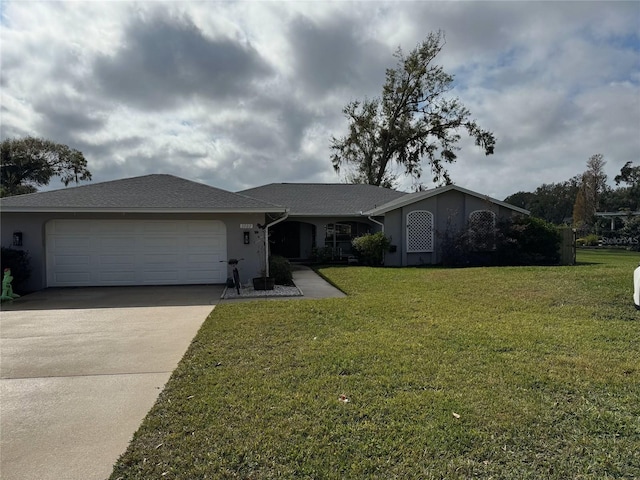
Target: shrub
{"x": 20, "y": 264}
{"x": 518, "y": 241}
{"x": 371, "y": 247}
{"x": 454, "y": 247}
{"x": 527, "y": 241}
{"x": 590, "y": 240}
{"x": 632, "y": 229}
{"x": 321, "y": 255}
{"x": 280, "y": 270}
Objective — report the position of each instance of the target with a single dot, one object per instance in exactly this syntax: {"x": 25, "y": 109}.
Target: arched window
{"x": 482, "y": 229}
{"x": 419, "y": 231}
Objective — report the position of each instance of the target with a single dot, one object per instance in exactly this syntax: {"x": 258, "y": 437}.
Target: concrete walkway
{"x": 313, "y": 285}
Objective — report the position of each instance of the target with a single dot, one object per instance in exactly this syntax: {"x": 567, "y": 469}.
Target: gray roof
{"x": 324, "y": 199}
{"x": 417, "y": 196}
{"x": 150, "y": 193}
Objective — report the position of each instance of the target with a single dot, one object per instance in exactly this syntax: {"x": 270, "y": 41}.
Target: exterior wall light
{"x": 17, "y": 239}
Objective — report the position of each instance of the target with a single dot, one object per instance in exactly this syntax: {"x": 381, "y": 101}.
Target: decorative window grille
{"x": 482, "y": 230}
{"x": 419, "y": 231}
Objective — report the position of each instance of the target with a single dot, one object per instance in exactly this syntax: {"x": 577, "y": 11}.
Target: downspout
{"x": 384, "y": 255}
{"x": 266, "y": 240}
{"x": 376, "y": 221}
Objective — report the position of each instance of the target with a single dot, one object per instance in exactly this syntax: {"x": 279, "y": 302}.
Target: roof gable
{"x": 418, "y": 196}
{"x": 146, "y": 193}
{"x": 324, "y": 199}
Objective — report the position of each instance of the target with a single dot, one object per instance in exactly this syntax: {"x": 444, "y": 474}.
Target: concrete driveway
{"x": 80, "y": 368}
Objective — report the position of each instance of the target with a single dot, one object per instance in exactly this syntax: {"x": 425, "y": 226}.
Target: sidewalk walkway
{"x": 313, "y": 285}
{"x": 308, "y": 285}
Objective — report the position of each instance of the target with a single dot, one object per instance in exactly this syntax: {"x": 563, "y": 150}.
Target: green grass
{"x": 542, "y": 365}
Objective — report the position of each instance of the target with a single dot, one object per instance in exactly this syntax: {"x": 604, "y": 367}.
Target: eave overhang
{"x": 140, "y": 210}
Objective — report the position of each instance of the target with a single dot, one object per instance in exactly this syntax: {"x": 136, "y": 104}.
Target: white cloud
{"x": 245, "y": 93}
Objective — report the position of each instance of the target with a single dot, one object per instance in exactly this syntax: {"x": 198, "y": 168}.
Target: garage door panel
{"x": 203, "y": 243}
{"x": 159, "y": 243}
{"x": 162, "y": 258}
{"x": 152, "y": 277}
{"x": 71, "y": 278}
{"x": 67, "y": 227}
{"x": 117, "y": 243}
{"x": 128, "y": 252}
{"x": 195, "y": 276}
{"x": 116, "y": 261}
{"x": 71, "y": 243}
{"x": 71, "y": 260}
{"x": 117, "y": 277}
{"x": 107, "y": 227}
{"x": 202, "y": 258}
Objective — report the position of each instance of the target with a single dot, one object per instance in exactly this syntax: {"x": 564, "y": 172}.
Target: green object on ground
{"x": 7, "y": 289}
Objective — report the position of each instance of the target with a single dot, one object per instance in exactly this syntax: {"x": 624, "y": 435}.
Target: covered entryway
{"x": 292, "y": 239}
{"x": 135, "y": 252}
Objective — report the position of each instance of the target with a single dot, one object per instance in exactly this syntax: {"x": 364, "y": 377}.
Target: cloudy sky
{"x": 239, "y": 94}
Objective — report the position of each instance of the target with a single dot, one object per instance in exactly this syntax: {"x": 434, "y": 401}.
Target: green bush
{"x": 20, "y": 264}
{"x": 590, "y": 240}
{"x": 632, "y": 229}
{"x": 517, "y": 241}
{"x": 371, "y": 247}
{"x": 322, "y": 255}
{"x": 280, "y": 270}
{"x": 527, "y": 241}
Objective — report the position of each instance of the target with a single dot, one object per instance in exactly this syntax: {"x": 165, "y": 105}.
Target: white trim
{"x": 416, "y": 197}
{"x": 266, "y": 240}
{"x": 376, "y": 221}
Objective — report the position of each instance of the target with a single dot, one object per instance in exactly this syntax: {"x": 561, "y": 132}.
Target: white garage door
{"x": 135, "y": 252}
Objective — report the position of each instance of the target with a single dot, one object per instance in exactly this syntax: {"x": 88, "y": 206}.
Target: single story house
{"x": 161, "y": 229}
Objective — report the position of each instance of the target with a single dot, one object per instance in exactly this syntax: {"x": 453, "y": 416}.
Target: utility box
{"x": 636, "y": 287}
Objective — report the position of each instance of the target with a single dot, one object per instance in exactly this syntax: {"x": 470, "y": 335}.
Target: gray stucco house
{"x": 161, "y": 229}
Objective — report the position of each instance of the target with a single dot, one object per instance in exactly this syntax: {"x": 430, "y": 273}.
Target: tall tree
{"x": 552, "y": 202}
{"x": 28, "y": 163}
{"x": 412, "y": 122}
{"x": 629, "y": 193}
{"x": 629, "y": 175}
{"x": 593, "y": 186}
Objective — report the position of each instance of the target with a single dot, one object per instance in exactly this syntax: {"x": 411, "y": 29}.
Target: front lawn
{"x": 527, "y": 373}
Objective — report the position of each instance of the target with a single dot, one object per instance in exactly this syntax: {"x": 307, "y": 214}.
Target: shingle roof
{"x": 324, "y": 199}
{"x": 149, "y": 192}
{"x": 417, "y": 196}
